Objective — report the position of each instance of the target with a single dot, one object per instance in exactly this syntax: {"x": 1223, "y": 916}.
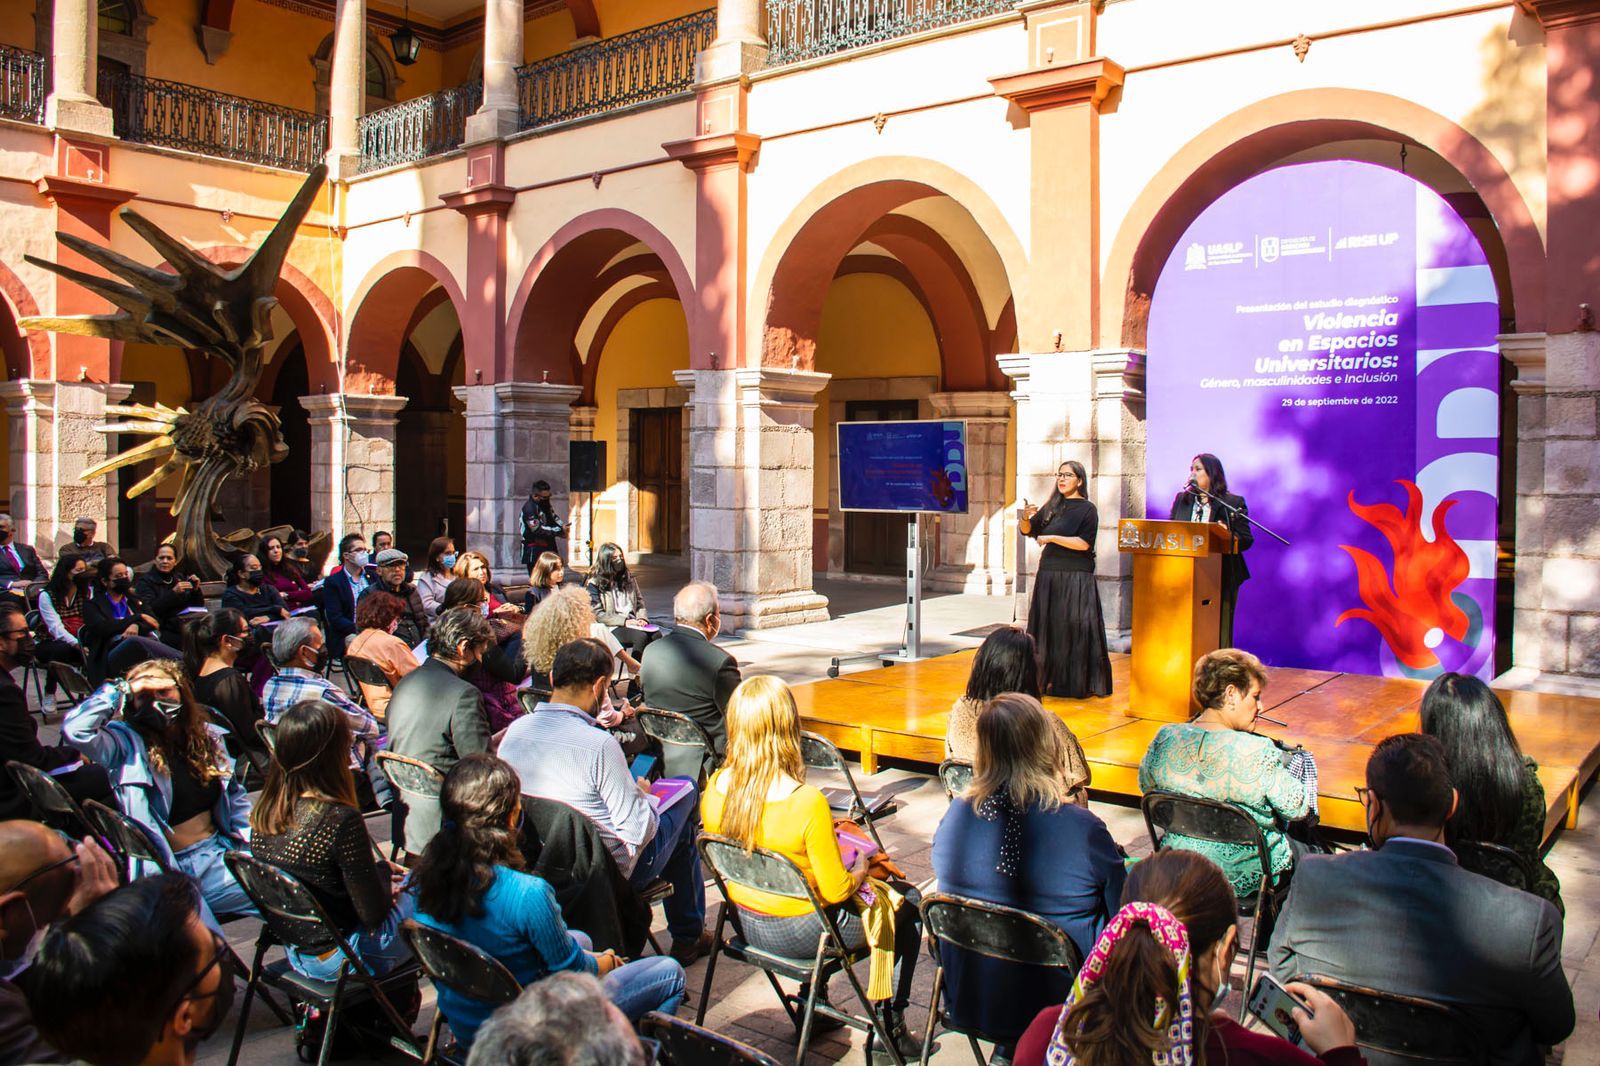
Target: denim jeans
{"x": 643, "y": 985}
{"x": 382, "y": 949}
{"x": 672, "y": 854}
{"x": 203, "y": 863}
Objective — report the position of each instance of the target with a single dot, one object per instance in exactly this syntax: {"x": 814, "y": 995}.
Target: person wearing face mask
{"x": 250, "y": 595}
{"x": 437, "y": 575}
{"x": 378, "y": 614}
{"x": 83, "y": 545}
{"x": 492, "y": 678}
{"x": 43, "y": 877}
{"x": 172, "y": 773}
{"x": 342, "y": 588}
{"x": 1176, "y": 935}
{"x": 19, "y": 563}
{"x": 118, "y": 631}
{"x": 436, "y": 714}
{"x": 393, "y": 565}
{"x": 301, "y": 652}
{"x": 61, "y": 615}
{"x": 540, "y": 526}
{"x": 136, "y": 979}
{"x": 19, "y": 733}
{"x": 684, "y": 671}
{"x": 166, "y": 594}
{"x": 212, "y": 645}
{"x": 280, "y": 571}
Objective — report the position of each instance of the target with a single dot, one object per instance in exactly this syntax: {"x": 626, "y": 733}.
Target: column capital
{"x": 716, "y": 150}
{"x": 983, "y": 405}
{"x": 332, "y": 406}
{"x": 1086, "y": 82}
{"x": 1118, "y": 372}
{"x": 771, "y": 387}
{"x": 1525, "y": 351}
{"x": 536, "y": 397}
{"x": 25, "y": 394}
{"x": 1560, "y": 14}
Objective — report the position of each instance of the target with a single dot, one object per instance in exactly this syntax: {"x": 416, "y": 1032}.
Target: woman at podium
{"x": 1206, "y": 499}
{"x": 1065, "y": 618}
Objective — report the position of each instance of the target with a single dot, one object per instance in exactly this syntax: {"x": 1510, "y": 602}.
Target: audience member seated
{"x": 563, "y": 616}
{"x": 281, "y": 572}
{"x": 473, "y": 883}
{"x": 437, "y": 574}
{"x": 1502, "y": 799}
{"x": 166, "y": 594}
{"x": 42, "y": 878}
{"x": 212, "y": 646}
{"x": 1017, "y": 839}
{"x": 299, "y": 551}
{"x": 309, "y": 823}
{"x": 760, "y": 799}
{"x": 499, "y": 694}
{"x": 618, "y": 601}
{"x": 134, "y": 979}
{"x": 250, "y": 595}
{"x": 83, "y": 545}
{"x": 1217, "y": 757}
{"x": 564, "y": 1020}
{"x": 559, "y": 754}
{"x": 685, "y": 672}
{"x": 475, "y": 565}
{"x": 118, "y": 631}
{"x": 18, "y": 561}
{"x": 1008, "y": 661}
{"x": 19, "y": 734}
{"x": 61, "y": 604}
{"x": 301, "y": 652}
{"x": 1163, "y": 960}
{"x": 546, "y": 576}
{"x": 171, "y": 773}
{"x": 1427, "y": 927}
{"x": 342, "y": 588}
{"x": 436, "y": 715}
{"x": 393, "y": 565}
{"x": 378, "y": 616}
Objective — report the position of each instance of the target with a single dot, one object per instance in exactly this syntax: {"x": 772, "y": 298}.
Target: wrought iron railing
{"x": 629, "y": 68}
{"x": 22, "y": 84}
{"x": 805, "y": 29}
{"x": 192, "y": 119}
{"x": 416, "y": 129}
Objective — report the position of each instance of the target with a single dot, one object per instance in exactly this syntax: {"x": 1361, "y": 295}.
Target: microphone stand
{"x": 1232, "y": 510}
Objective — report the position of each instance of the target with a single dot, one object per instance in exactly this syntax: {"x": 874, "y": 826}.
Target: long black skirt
{"x": 1070, "y": 631}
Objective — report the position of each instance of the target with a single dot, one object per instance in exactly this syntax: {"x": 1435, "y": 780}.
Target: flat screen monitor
{"x": 903, "y": 466}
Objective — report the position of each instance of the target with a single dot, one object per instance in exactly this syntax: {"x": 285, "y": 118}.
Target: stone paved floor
{"x": 868, "y": 617}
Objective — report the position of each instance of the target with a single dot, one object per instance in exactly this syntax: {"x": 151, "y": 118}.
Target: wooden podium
{"x": 1177, "y": 609}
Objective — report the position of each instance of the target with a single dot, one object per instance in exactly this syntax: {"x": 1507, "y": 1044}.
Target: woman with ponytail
{"x": 1146, "y": 992}
{"x": 307, "y": 821}
{"x": 473, "y": 883}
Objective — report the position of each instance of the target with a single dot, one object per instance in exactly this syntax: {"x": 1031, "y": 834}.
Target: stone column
{"x": 347, "y": 88}
{"x": 74, "y": 64}
{"x": 750, "y": 492}
{"x": 972, "y": 547}
{"x": 53, "y": 440}
{"x": 501, "y": 113}
{"x": 739, "y": 47}
{"x": 580, "y": 426}
{"x": 352, "y": 461}
{"x": 1118, "y": 473}
{"x": 517, "y": 433}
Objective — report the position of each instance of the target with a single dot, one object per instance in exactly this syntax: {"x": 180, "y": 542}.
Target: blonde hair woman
{"x": 760, "y": 799}
{"x": 561, "y": 618}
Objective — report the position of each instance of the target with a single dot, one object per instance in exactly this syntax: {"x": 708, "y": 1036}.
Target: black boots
{"x": 894, "y": 1021}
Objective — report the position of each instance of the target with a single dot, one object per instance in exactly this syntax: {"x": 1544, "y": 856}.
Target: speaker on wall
{"x": 586, "y": 463}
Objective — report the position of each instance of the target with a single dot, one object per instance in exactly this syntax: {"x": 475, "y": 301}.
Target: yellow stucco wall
{"x": 548, "y": 35}
{"x": 620, "y": 16}
{"x": 16, "y": 25}
{"x": 268, "y": 59}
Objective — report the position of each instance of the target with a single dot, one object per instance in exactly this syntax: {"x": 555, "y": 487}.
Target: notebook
{"x": 852, "y": 845}
{"x": 669, "y": 790}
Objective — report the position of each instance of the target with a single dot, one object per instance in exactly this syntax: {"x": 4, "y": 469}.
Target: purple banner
{"x": 1328, "y": 330}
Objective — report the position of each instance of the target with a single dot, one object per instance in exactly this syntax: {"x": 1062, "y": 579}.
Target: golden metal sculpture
{"x": 224, "y": 313}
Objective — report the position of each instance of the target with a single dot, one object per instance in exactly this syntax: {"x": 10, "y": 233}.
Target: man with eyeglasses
{"x": 136, "y": 979}
{"x": 42, "y": 877}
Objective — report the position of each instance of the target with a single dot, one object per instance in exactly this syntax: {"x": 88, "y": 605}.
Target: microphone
{"x": 1192, "y": 487}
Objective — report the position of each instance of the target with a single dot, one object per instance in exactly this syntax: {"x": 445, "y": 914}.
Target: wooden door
{"x": 876, "y": 543}
{"x": 657, "y": 466}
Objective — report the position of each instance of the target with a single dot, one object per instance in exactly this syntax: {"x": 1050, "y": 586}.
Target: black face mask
{"x": 121, "y": 585}
{"x": 250, "y": 577}
{"x": 82, "y": 580}
{"x": 25, "y": 649}
{"x": 320, "y": 662}
{"x": 150, "y": 716}
{"x": 80, "y": 536}
{"x": 5, "y": 536}
{"x": 298, "y": 553}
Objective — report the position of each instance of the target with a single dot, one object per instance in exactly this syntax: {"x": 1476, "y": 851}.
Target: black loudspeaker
{"x": 586, "y": 464}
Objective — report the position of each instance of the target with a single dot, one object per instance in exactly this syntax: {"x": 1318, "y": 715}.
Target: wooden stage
{"x": 900, "y": 711}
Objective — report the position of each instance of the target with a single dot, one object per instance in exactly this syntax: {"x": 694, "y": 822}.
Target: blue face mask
{"x": 448, "y": 560}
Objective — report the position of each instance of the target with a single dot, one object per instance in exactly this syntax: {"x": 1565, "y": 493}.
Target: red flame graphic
{"x": 1425, "y": 574}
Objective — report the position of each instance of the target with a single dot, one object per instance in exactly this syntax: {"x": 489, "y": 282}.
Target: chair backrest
{"x": 410, "y": 777}
{"x": 955, "y": 775}
{"x": 998, "y": 932}
{"x": 760, "y": 869}
{"x": 820, "y": 753}
{"x": 1204, "y": 819}
{"x": 288, "y": 908}
{"x": 1405, "y": 1027}
{"x": 687, "y": 749}
{"x": 685, "y": 1044}
{"x": 1496, "y": 861}
{"x": 268, "y": 732}
{"x": 464, "y": 968}
{"x": 126, "y": 835}
{"x": 70, "y": 681}
{"x": 366, "y": 672}
{"x": 51, "y": 802}
{"x": 530, "y": 698}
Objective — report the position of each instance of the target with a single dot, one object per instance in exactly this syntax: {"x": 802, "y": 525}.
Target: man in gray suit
{"x": 435, "y": 715}
{"x": 1406, "y": 918}
{"x": 684, "y": 671}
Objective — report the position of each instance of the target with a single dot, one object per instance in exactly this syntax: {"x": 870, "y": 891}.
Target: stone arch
{"x": 585, "y": 18}
{"x": 383, "y": 307}
{"x": 1259, "y": 135}
{"x": 27, "y": 353}
{"x": 801, "y": 259}
{"x": 382, "y": 89}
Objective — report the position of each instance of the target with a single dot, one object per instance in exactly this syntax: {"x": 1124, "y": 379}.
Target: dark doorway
{"x": 291, "y": 479}
{"x": 876, "y": 543}
{"x": 426, "y": 451}
{"x": 657, "y": 466}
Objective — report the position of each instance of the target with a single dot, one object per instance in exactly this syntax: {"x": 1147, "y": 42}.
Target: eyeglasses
{"x": 1363, "y": 793}
{"x": 12, "y": 634}
{"x": 222, "y": 957}
{"x": 70, "y": 860}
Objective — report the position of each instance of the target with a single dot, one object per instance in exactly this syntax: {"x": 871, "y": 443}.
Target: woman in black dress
{"x": 1065, "y": 618}
{"x": 1205, "y": 472}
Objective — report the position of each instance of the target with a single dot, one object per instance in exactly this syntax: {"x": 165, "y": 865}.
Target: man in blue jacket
{"x": 343, "y": 588}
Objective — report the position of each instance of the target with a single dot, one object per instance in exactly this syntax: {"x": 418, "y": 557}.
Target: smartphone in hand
{"x": 1274, "y": 1005}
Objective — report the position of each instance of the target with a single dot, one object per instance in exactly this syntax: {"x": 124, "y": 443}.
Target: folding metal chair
{"x": 820, "y": 753}
{"x": 465, "y": 969}
{"x": 998, "y": 932}
{"x": 52, "y": 804}
{"x": 955, "y": 775}
{"x": 767, "y": 871}
{"x": 687, "y": 750}
{"x": 70, "y": 681}
{"x": 251, "y": 756}
{"x": 684, "y": 1044}
{"x": 366, "y": 672}
{"x": 268, "y": 732}
{"x": 34, "y": 670}
{"x": 1496, "y": 861}
{"x": 1409, "y": 1028}
{"x": 291, "y": 916}
{"x": 415, "y": 782}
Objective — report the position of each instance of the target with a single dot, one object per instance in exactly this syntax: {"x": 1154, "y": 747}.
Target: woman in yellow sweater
{"x": 760, "y": 799}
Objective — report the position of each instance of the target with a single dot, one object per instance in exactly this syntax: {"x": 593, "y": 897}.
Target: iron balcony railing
{"x": 414, "y": 130}
{"x": 192, "y": 119}
{"x": 22, "y": 84}
{"x": 805, "y": 29}
{"x": 629, "y": 68}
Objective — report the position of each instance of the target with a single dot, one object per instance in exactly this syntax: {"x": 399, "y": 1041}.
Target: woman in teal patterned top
{"x": 1217, "y": 757}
